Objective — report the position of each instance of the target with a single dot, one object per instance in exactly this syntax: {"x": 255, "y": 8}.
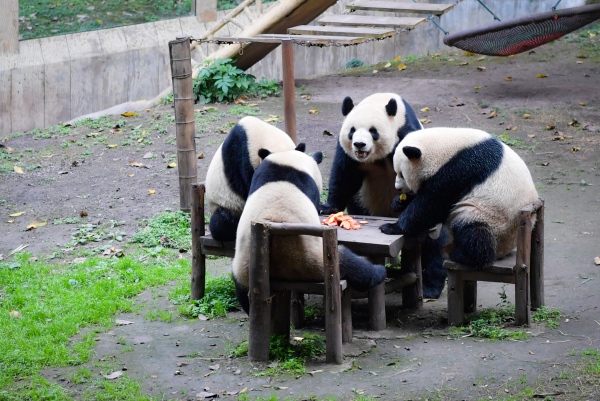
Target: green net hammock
{"x": 518, "y": 35}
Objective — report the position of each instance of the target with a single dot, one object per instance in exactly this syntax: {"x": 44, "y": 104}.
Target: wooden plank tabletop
{"x": 369, "y": 240}
{"x": 365, "y": 20}
{"x": 278, "y": 38}
{"x": 367, "y": 32}
{"x": 392, "y": 6}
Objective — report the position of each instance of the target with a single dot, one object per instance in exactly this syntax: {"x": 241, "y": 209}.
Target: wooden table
{"x": 368, "y": 241}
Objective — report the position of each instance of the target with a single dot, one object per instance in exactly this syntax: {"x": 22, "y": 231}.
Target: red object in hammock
{"x": 518, "y": 35}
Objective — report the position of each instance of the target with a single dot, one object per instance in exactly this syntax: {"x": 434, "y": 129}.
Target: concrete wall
{"x": 56, "y": 79}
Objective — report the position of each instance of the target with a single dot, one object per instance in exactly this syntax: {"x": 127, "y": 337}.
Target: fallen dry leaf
{"x": 129, "y": 114}
{"x": 116, "y": 130}
{"x": 16, "y": 214}
{"x": 201, "y": 155}
{"x": 35, "y": 223}
{"x": 172, "y": 165}
{"x": 477, "y": 88}
{"x": 121, "y": 322}
{"x": 16, "y": 314}
{"x": 550, "y": 127}
{"x": 424, "y": 109}
{"x": 574, "y": 123}
{"x": 401, "y": 67}
{"x": 375, "y": 71}
{"x": 492, "y": 114}
{"x": 597, "y": 260}
{"x": 398, "y": 58}
{"x": 468, "y": 53}
{"x": 133, "y": 163}
{"x": 509, "y": 78}
{"x": 526, "y": 116}
{"x": 314, "y": 111}
{"x": 481, "y": 58}
{"x": 575, "y": 149}
{"x": 111, "y": 146}
{"x": 582, "y": 104}
{"x": 531, "y": 135}
{"x": 272, "y": 119}
{"x": 463, "y": 63}
{"x": 424, "y": 120}
{"x": 18, "y": 169}
{"x": 327, "y": 133}
{"x": 387, "y": 65}
{"x": 151, "y": 192}
{"x": 541, "y": 76}
{"x": 481, "y": 68}
{"x": 114, "y": 375}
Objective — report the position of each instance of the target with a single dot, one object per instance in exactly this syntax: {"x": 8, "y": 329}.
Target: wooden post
{"x": 522, "y": 298}
{"x": 537, "y": 261}
{"x": 297, "y": 309}
{"x": 281, "y": 313}
{"x": 289, "y": 100}
{"x": 205, "y": 10}
{"x": 199, "y": 259}
{"x": 377, "y": 316}
{"x": 183, "y": 99}
{"x": 412, "y": 295}
{"x": 9, "y": 27}
{"x": 347, "y": 315}
{"x": 259, "y": 294}
{"x": 333, "y": 307}
{"x": 456, "y": 306}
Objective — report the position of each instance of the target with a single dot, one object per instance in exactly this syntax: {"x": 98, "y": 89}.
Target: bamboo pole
{"x": 183, "y": 99}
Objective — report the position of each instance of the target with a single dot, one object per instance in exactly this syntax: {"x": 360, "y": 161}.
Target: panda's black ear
{"x": 392, "y": 108}
{"x": 263, "y": 153}
{"x": 301, "y": 147}
{"x": 318, "y": 156}
{"x": 347, "y": 106}
{"x": 411, "y": 152}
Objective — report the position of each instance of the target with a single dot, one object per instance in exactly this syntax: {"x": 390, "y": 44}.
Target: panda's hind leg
{"x": 432, "y": 261}
{"x": 359, "y": 272}
{"x": 474, "y": 244}
{"x": 241, "y": 294}
{"x": 223, "y": 225}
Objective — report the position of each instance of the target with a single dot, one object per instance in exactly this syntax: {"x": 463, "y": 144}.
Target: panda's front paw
{"x": 326, "y": 208}
{"x": 391, "y": 229}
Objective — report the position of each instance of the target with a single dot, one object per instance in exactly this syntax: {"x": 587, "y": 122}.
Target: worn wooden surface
{"x": 333, "y": 298}
{"x": 403, "y": 7}
{"x": 364, "y": 31}
{"x": 198, "y": 280}
{"x": 537, "y": 260}
{"x": 368, "y": 20}
{"x": 260, "y": 293}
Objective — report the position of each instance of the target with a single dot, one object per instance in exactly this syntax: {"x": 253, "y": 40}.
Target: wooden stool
{"x": 261, "y": 289}
{"x": 525, "y": 269}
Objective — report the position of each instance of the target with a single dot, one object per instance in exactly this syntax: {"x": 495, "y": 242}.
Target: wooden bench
{"x": 524, "y": 268}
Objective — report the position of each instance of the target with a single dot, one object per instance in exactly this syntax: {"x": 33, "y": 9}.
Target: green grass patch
{"x": 219, "y": 298}
{"x": 167, "y": 229}
{"x": 38, "y": 20}
{"x": 43, "y": 306}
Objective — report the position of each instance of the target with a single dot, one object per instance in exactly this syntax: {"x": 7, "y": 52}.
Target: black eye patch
{"x": 351, "y": 134}
{"x": 374, "y": 133}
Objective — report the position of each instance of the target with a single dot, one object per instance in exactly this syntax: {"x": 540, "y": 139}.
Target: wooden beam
{"x": 367, "y": 20}
{"x": 401, "y": 7}
{"x": 367, "y": 32}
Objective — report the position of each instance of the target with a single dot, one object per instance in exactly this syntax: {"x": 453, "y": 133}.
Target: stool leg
{"x": 470, "y": 296}
{"x": 412, "y": 295}
{"x": 347, "y": 316}
{"x": 280, "y": 323}
{"x": 536, "y": 274}
{"x": 456, "y": 306}
{"x": 297, "y": 309}
{"x": 522, "y": 306}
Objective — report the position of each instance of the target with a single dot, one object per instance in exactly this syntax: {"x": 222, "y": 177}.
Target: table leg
{"x": 412, "y": 295}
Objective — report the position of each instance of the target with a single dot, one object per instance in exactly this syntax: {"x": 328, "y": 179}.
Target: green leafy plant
{"x": 221, "y": 81}
{"x": 169, "y": 229}
{"x": 354, "y": 63}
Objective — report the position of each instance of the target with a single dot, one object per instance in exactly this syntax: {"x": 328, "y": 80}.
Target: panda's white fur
{"x": 468, "y": 179}
{"x": 230, "y": 171}
{"x": 362, "y": 173}
{"x": 286, "y": 188}
{"x": 279, "y": 202}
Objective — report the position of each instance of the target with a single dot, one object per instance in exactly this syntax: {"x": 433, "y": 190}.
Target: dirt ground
{"x": 67, "y": 176}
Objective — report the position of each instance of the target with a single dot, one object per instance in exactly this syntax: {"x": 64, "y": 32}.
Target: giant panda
{"x": 231, "y": 169}
{"x": 285, "y": 188}
{"x": 469, "y": 181}
{"x": 362, "y": 174}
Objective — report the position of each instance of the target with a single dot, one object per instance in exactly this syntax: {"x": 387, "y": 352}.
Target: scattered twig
{"x": 17, "y": 249}
{"x": 399, "y": 372}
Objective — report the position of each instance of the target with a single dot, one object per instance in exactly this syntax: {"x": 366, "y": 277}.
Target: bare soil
{"x": 416, "y": 357}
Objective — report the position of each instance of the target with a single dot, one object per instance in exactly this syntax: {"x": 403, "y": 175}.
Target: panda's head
{"x": 370, "y": 129}
{"x": 298, "y": 160}
{"x": 423, "y": 153}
